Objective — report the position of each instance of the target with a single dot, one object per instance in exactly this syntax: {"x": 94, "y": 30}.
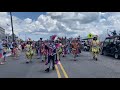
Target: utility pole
{"x": 12, "y": 27}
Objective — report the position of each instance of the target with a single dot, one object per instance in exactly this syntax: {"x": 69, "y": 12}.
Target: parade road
{"x": 84, "y": 67}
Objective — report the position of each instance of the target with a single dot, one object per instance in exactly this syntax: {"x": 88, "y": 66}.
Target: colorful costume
{"x": 29, "y": 52}
{"x": 95, "y": 46}
{"x": 75, "y": 48}
{"x": 51, "y": 57}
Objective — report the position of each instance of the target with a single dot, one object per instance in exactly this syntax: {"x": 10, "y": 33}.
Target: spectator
{"x": 1, "y": 53}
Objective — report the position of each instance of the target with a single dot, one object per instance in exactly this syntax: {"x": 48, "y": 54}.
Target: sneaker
{"x": 47, "y": 70}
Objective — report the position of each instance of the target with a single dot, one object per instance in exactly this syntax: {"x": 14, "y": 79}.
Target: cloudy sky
{"x": 70, "y": 24}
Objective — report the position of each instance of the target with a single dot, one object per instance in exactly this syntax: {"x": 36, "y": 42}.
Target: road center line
{"x": 58, "y": 72}
{"x": 65, "y": 74}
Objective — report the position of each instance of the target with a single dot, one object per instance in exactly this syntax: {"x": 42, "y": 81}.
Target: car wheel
{"x": 104, "y": 53}
{"x": 116, "y": 56}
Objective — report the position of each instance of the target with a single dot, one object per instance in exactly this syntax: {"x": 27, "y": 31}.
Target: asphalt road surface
{"x": 84, "y": 67}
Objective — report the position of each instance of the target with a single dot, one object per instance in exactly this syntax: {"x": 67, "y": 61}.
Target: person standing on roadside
{"x": 1, "y": 53}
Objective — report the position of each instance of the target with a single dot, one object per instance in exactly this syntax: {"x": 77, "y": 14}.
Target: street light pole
{"x": 12, "y": 26}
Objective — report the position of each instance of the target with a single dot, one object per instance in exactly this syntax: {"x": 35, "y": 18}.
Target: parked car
{"x": 111, "y": 46}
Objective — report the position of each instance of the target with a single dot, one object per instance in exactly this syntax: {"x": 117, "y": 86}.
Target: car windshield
{"x": 107, "y": 41}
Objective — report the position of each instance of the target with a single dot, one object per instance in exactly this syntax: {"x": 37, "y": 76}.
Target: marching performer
{"x": 95, "y": 47}
{"x": 29, "y": 52}
{"x": 74, "y": 49}
{"x": 51, "y": 56}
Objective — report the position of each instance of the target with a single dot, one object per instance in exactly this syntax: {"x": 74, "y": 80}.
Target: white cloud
{"x": 64, "y": 23}
{"x": 28, "y": 20}
{"x": 82, "y": 17}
